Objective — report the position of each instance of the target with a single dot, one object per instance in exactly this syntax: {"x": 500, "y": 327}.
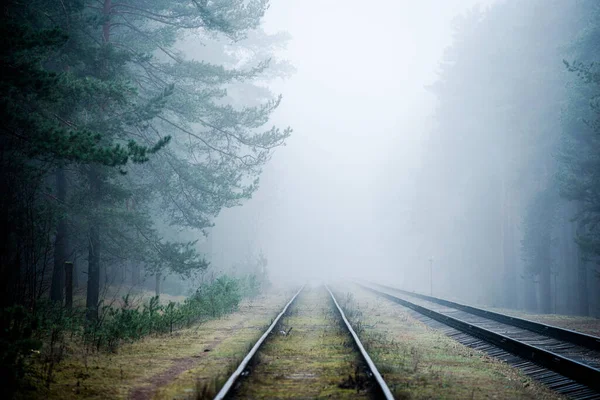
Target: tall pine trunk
{"x": 60, "y": 242}
{"x": 135, "y": 273}
{"x": 569, "y": 260}
{"x": 546, "y": 290}
{"x": 531, "y": 303}
{"x": 582, "y": 286}
{"x": 75, "y": 270}
{"x": 509, "y": 254}
{"x": 93, "y": 284}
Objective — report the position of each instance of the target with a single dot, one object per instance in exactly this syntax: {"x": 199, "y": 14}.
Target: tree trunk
{"x": 157, "y": 287}
{"x": 93, "y": 284}
{"x": 555, "y": 294}
{"x": 582, "y": 286}
{"x": 75, "y": 271}
{"x": 68, "y": 284}
{"x": 546, "y": 290}
{"x": 60, "y": 241}
{"x": 135, "y": 273}
{"x": 510, "y": 257}
{"x": 530, "y": 295}
{"x": 103, "y": 276}
{"x": 569, "y": 261}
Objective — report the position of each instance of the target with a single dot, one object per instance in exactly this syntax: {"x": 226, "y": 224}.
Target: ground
{"x": 418, "y": 362}
{"x": 315, "y": 360}
{"x": 168, "y": 366}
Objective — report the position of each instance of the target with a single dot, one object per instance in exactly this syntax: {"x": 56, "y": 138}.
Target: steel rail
{"x": 229, "y": 384}
{"x": 382, "y": 385}
{"x": 571, "y": 369}
{"x": 581, "y": 339}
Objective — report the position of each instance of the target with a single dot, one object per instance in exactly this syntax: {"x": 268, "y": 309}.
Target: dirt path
{"x": 166, "y": 366}
{"x": 180, "y": 365}
{"x": 315, "y": 360}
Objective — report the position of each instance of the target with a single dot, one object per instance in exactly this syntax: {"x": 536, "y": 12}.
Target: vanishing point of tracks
{"x": 309, "y": 351}
{"x": 566, "y": 361}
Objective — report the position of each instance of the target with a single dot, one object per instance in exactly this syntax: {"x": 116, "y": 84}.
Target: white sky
{"x": 359, "y": 110}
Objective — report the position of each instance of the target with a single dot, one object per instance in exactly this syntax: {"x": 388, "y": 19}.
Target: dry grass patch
{"x": 315, "y": 360}
{"x": 589, "y": 325}
{"x": 418, "y": 362}
{"x": 144, "y": 366}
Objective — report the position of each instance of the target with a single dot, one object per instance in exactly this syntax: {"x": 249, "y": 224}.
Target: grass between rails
{"x": 315, "y": 360}
{"x": 140, "y": 369}
{"x": 418, "y": 362}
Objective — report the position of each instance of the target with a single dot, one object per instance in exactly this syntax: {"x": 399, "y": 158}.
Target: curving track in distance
{"x": 243, "y": 371}
{"x": 565, "y": 360}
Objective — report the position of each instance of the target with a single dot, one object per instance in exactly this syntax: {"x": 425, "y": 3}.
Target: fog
{"x": 336, "y": 201}
{"x": 447, "y": 147}
{"x": 437, "y": 146}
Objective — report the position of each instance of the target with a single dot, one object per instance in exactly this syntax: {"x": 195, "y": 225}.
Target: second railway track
{"x": 310, "y": 351}
{"x": 564, "y": 360}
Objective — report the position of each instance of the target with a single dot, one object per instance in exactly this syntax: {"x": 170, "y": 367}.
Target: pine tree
{"x": 215, "y": 150}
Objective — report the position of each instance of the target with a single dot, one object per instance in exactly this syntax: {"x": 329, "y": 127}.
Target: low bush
{"x": 44, "y": 332}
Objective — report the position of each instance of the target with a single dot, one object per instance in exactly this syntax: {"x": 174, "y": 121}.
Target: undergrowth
{"x": 34, "y": 342}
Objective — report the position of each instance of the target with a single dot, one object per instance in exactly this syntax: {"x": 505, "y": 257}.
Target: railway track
{"x": 310, "y": 350}
{"x": 566, "y": 361}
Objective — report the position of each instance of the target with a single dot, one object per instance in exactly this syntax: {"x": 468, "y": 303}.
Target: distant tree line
{"x": 114, "y": 139}
{"x": 510, "y": 184}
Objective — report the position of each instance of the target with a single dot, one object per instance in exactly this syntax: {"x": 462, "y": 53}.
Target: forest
{"x": 135, "y": 135}
{"x": 116, "y": 144}
{"x": 510, "y": 187}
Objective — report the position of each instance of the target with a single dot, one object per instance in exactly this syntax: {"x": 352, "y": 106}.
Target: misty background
{"x": 423, "y": 133}
{"x": 446, "y": 147}
{"x": 164, "y": 161}
{"x": 330, "y": 202}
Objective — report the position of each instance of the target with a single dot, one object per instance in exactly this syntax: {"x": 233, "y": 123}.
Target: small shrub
{"x": 43, "y": 332}
{"x": 127, "y": 323}
{"x": 17, "y": 343}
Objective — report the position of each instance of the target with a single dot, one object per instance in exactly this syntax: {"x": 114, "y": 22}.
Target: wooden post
{"x": 68, "y": 284}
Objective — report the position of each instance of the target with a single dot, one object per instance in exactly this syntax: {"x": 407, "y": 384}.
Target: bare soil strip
{"x": 418, "y": 362}
{"x": 315, "y": 360}
{"x": 179, "y": 366}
